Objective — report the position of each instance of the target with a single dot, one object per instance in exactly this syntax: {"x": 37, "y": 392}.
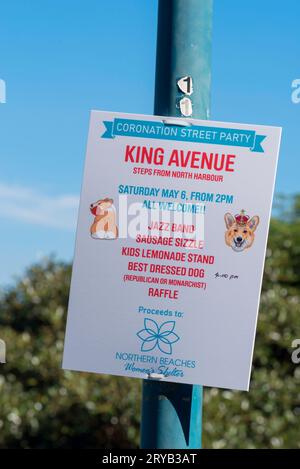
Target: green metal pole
{"x": 172, "y": 412}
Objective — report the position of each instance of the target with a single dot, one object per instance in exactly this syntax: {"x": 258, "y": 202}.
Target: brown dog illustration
{"x": 240, "y": 230}
{"x": 104, "y": 225}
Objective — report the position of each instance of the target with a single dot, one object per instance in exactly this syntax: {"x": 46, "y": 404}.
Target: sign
{"x": 185, "y": 84}
{"x": 171, "y": 240}
{"x": 186, "y": 107}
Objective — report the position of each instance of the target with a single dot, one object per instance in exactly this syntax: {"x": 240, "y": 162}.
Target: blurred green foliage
{"x": 42, "y": 406}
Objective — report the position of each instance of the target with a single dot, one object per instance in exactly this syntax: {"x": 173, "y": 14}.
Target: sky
{"x": 61, "y": 58}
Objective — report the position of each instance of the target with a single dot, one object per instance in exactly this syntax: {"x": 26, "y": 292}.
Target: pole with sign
{"x": 171, "y": 239}
{"x": 172, "y": 412}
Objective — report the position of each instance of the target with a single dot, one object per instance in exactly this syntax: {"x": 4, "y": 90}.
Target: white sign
{"x": 185, "y": 84}
{"x": 186, "y": 106}
{"x": 170, "y": 248}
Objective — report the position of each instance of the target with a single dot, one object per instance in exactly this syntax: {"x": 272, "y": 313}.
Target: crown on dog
{"x": 241, "y": 219}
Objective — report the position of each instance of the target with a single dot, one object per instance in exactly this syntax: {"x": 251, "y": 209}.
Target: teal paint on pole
{"x": 183, "y": 48}
{"x": 172, "y": 412}
{"x": 171, "y": 415}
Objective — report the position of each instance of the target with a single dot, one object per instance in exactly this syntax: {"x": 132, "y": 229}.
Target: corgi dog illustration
{"x": 104, "y": 225}
{"x": 240, "y": 230}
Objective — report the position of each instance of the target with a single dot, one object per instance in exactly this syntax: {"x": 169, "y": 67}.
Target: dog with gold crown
{"x": 240, "y": 230}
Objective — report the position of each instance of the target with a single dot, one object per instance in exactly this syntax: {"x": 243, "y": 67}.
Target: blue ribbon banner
{"x": 194, "y": 133}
